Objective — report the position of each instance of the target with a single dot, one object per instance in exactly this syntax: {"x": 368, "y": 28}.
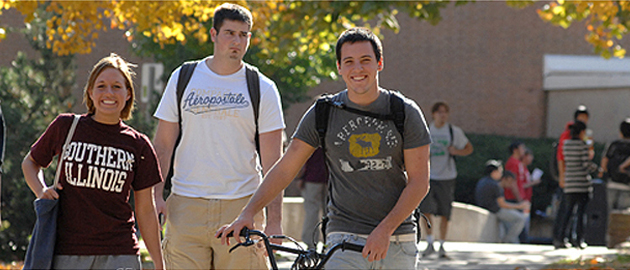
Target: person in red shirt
{"x": 527, "y": 160}
{"x": 516, "y": 193}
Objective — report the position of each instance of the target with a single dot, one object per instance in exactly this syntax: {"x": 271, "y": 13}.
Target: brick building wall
{"x": 112, "y": 41}
{"x": 485, "y": 59}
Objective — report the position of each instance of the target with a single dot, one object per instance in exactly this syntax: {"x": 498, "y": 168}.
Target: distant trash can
{"x": 597, "y": 215}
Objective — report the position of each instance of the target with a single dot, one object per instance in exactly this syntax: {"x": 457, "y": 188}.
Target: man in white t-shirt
{"x": 216, "y": 167}
{"x": 447, "y": 141}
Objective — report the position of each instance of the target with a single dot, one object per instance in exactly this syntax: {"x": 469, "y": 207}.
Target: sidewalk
{"x": 485, "y": 256}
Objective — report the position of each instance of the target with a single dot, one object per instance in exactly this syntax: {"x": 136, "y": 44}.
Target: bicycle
{"x": 306, "y": 259}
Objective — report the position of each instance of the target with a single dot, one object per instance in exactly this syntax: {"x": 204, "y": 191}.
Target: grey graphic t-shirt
{"x": 365, "y": 157}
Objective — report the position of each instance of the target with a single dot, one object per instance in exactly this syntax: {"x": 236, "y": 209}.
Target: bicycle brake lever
{"x": 244, "y": 244}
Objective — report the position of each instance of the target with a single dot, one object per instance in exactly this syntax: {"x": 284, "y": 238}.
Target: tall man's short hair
{"x": 232, "y": 12}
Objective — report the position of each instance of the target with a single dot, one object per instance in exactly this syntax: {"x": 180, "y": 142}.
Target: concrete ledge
{"x": 469, "y": 223}
{"x": 293, "y": 217}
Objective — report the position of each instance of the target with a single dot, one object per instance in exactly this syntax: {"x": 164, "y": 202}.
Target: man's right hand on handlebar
{"x": 241, "y": 221}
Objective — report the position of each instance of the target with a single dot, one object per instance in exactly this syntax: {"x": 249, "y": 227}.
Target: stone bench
{"x": 469, "y": 223}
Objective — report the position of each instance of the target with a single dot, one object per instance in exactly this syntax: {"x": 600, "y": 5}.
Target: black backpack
{"x": 325, "y": 103}
{"x": 323, "y": 106}
{"x": 186, "y": 72}
{"x": 619, "y": 152}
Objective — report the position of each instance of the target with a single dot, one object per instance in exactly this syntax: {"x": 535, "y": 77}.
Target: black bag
{"x": 617, "y": 153}
{"x": 553, "y": 162}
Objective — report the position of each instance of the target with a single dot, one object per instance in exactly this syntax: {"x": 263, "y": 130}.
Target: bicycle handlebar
{"x": 319, "y": 259}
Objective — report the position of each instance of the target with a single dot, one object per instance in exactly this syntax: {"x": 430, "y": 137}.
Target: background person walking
{"x": 448, "y": 141}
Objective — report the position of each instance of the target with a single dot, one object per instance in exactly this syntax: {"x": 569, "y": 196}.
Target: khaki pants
{"x": 189, "y": 241}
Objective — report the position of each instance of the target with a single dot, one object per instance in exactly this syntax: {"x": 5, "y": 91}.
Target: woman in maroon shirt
{"x": 104, "y": 160}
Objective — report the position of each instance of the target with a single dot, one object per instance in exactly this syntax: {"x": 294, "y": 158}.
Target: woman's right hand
{"x": 49, "y": 193}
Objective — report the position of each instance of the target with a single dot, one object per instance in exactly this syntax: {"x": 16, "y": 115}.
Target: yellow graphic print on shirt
{"x": 364, "y": 145}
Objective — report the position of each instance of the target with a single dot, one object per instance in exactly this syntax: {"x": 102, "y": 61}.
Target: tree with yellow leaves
{"x": 291, "y": 39}
{"x": 606, "y": 21}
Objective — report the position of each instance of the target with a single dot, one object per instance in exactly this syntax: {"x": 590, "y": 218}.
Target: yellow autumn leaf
{"x": 324, "y": 47}
{"x": 558, "y": 10}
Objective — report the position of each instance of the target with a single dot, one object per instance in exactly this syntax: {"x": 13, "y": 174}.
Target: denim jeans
{"x": 400, "y": 255}
{"x": 513, "y": 221}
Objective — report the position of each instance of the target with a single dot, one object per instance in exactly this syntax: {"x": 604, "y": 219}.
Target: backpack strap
{"x": 185, "y": 73}
{"x": 325, "y": 103}
{"x": 397, "y": 110}
{"x": 322, "y": 111}
{"x": 450, "y": 132}
{"x": 253, "y": 86}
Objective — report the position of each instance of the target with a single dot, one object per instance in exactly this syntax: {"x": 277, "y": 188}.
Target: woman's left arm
{"x": 149, "y": 225}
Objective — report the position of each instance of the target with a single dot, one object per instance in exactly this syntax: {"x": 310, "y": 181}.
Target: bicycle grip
{"x": 353, "y": 247}
{"x": 231, "y": 234}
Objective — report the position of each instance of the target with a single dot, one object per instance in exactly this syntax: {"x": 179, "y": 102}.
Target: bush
{"x": 470, "y": 168}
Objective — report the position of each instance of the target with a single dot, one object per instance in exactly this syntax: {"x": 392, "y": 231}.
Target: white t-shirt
{"x": 216, "y": 157}
{"x": 442, "y": 163}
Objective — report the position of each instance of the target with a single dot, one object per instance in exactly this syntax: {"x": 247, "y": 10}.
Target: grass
{"x": 620, "y": 261}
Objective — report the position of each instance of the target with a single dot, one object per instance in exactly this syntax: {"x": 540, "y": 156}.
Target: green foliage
{"x": 292, "y": 41}
{"x": 470, "y": 168}
{"x": 33, "y": 93}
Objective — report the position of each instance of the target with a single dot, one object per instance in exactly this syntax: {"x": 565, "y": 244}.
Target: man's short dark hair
{"x": 624, "y": 127}
{"x": 580, "y": 110}
{"x": 437, "y": 105}
{"x": 491, "y": 166}
{"x": 576, "y": 128}
{"x": 514, "y": 145}
{"x": 232, "y": 12}
{"x": 357, "y": 34}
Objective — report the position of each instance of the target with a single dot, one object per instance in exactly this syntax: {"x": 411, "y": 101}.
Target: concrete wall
{"x": 607, "y": 108}
{"x": 469, "y": 223}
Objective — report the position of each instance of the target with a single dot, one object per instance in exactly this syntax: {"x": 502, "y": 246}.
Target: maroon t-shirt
{"x": 101, "y": 165}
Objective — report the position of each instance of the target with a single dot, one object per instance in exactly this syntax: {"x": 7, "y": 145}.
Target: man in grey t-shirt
{"x": 371, "y": 199}
{"x": 448, "y": 141}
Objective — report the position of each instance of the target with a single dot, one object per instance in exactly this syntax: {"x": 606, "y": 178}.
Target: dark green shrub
{"x": 470, "y": 168}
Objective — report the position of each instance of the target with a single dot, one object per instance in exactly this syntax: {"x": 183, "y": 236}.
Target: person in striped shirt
{"x": 576, "y": 184}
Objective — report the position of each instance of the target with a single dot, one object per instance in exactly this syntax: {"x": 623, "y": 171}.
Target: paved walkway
{"x": 485, "y": 256}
